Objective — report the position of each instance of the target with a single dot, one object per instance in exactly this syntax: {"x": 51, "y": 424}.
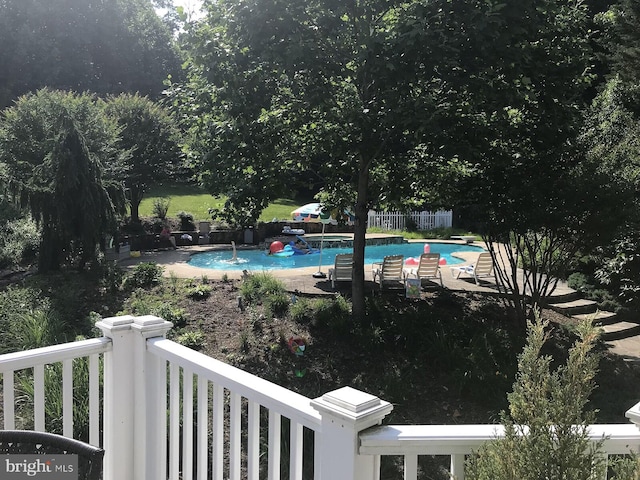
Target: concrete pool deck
{"x": 295, "y": 279}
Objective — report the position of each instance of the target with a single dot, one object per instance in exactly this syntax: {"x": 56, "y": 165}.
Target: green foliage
{"x": 148, "y": 132}
{"x": 199, "y": 292}
{"x": 301, "y": 310}
{"x": 186, "y": 221}
{"x": 257, "y": 287}
{"x": 36, "y": 329}
{"x": 55, "y": 147}
{"x": 546, "y": 429}
{"x": 161, "y": 207}
{"x": 111, "y": 276}
{"x": 104, "y": 47}
{"x": 177, "y": 316}
{"x": 53, "y": 394}
{"x": 144, "y": 275}
{"x": 276, "y": 304}
{"x": 19, "y": 242}
{"x": 193, "y": 340}
{"x": 332, "y": 313}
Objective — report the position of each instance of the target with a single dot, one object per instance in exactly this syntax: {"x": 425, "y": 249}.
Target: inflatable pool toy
{"x": 411, "y": 261}
{"x": 275, "y": 247}
{"x": 287, "y": 230}
{"x": 287, "y": 251}
{"x": 427, "y": 248}
{"x": 302, "y": 251}
{"x": 443, "y": 261}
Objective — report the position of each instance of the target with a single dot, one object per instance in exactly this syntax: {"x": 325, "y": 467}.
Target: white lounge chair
{"x": 342, "y": 270}
{"x": 482, "y": 268}
{"x": 390, "y": 270}
{"x": 428, "y": 268}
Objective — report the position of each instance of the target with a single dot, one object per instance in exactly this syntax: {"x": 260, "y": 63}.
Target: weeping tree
{"x": 54, "y": 146}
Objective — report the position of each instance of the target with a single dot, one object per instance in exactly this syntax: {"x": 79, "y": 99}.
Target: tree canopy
{"x": 77, "y": 45}
{"x": 148, "y": 134}
{"x": 384, "y": 103}
{"x": 57, "y": 147}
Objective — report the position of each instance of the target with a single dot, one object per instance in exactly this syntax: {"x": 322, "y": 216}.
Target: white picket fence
{"x": 398, "y": 220}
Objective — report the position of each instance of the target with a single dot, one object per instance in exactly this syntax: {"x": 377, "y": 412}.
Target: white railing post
{"x": 633, "y": 414}
{"x": 119, "y": 402}
{"x": 150, "y": 431}
{"x": 345, "y": 413}
{"x": 128, "y": 373}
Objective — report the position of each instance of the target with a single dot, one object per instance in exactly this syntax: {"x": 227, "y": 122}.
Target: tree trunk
{"x": 49, "y": 255}
{"x": 136, "y": 198}
{"x": 359, "y": 241}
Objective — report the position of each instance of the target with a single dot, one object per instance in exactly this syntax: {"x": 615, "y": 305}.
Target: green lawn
{"x": 197, "y": 202}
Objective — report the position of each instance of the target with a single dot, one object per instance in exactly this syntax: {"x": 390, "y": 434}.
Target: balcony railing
{"x": 169, "y": 412}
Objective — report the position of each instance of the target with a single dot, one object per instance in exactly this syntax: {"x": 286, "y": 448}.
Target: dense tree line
{"x": 76, "y": 45}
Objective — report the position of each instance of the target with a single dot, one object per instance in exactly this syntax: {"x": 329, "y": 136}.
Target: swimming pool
{"x": 257, "y": 260}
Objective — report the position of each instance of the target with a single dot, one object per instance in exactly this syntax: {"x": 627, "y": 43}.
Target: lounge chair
{"x": 483, "y": 267}
{"x": 428, "y": 268}
{"x": 390, "y": 270}
{"x": 21, "y": 442}
{"x": 342, "y": 270}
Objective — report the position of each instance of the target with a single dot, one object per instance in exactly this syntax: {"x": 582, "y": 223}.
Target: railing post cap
{"x": 151, "y": 326}
{"x": 354, "y": 406}
{"x": 633, "y": 414}
{"x": 111, "y": 324}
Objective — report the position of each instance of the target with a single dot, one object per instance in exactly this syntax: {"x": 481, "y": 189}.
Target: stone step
{"x": 562, "y": 297}
{"x": 599, "y": 317}
{"x": 619, "y": 330}
{"x": 574, "y": 307}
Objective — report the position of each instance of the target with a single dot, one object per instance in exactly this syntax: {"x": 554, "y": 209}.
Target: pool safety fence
{"x": 398, "y": 221}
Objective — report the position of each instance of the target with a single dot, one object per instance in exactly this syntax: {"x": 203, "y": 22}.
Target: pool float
{"x": 276, "y": 249}
{"x": 412, "y": 261}
{"x": 307, "y": 250}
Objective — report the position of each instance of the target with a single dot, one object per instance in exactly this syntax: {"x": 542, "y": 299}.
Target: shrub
{"x": 579, "y": 281}
{"x": 177, "y": 316}
{"x": 302, "y": 310}
{"x": 193, "y": 340}
{"x": 111, "y": 276}
{"x": 161, "y": 207}
{"x": 146, "y": 274}
{"x": 546, "y": 429}
{"x": 186, "y": 221}
{"x": 334, "y": 313}
{"x": 256, "y": 288}
{"x": 276, "y": 304}
{"x": 199, "y": 292}
{"x": 19, "y": 242}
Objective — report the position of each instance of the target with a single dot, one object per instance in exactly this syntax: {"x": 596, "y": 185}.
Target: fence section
{"x": 398, "y": 221}
{"x": 256, "y": 426}
{"x": 58, "y": 389}
{"x": 457, "y": 441}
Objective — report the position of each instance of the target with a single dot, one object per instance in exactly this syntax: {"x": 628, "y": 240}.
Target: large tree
{"x": 104, "y": 46}
{"x": 317, "y": 92}
{"x": 148, "y": 132}
{"x": 392, "y": 103}
{"x": 55, "y": 146}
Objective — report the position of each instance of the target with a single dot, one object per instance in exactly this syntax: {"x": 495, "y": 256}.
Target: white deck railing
{"x": 171, "y": 412}
{"x": 398, "y": 220}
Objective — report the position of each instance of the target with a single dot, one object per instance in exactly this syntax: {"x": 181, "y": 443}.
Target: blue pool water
{"x": 258, "y": 260}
